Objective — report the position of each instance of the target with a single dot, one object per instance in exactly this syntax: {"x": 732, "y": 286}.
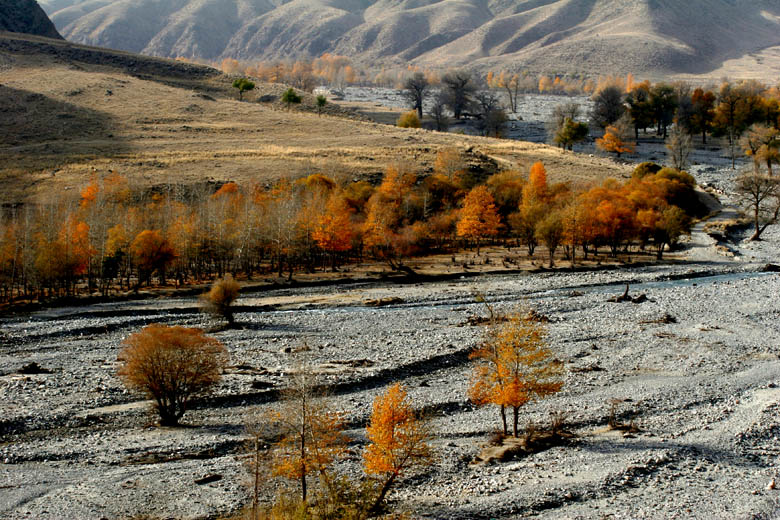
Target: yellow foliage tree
{"x": 514, "y": 367}
{"x": 399, "y": 440}
{"x": 614, "y": 142}
{"x": 479, "y": 216}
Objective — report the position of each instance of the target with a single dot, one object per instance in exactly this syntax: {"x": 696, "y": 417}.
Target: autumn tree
{"x": 513, "y": 367}
{"x": 389, "y": 214}
{"x": 558, "y": 118}
{"x": 549, "y": 231}
{"x": 479, "y": 216}
{"x": 310, "y": 435}
{"x": 220, "y": 298}
{"x": 511, "y": 84}
{"x": 415, "y": 90}
{"x": 762, "y": 143}
{"x": 703, "y": 112}
{"x": 333, "y": 230}
{"x": 760, "y": 194}
{"x": 398, "y": 440}
{"x": 171, "y": 365}
{"x": 731, "y": 115}
{"x": 243, "y": 85}
{"x": 617, "y": 139}
{"x": 151, "y": 252}
{"x": 639, "y": 107}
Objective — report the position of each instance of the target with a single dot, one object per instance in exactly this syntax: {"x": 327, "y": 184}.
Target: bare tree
{"x": 459, "y": 91}
{"x": 439, "y": 112}
{"x": 679, "y": 144}
{"x": 415, "y": 90}
{"x": 761, "y": 196}
{"x": 492, "y": 118}
{"x": 607, "y": 106}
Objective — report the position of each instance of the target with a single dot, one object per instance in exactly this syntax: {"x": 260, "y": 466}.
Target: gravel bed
{"x": 703, "y": 390}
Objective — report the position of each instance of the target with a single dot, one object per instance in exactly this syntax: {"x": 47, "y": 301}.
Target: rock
{"x": 771, "y": 268}
{"x": 382, "y": 302}
{"x": 208, "y": 479}
{"x": 34, "y": 368}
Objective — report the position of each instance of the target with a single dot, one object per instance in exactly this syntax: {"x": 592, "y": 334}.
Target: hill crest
{"x": 649, "y": 37}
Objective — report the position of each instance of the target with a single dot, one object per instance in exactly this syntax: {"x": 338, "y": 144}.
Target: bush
{"x": 646, "y": 168}
{"x": 290, "y": 97}
{"x": 408, "y": 120}
{"x": 171, "y": 365}
{"x": 243, "y": 85}
{"x": 219, "y": 300}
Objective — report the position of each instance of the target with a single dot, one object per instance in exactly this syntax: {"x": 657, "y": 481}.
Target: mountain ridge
{"x": 655, "y": 37}
{"x": 26, "y": 16}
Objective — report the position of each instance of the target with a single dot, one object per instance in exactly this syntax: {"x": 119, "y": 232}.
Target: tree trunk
{"x": 503, "y": 419}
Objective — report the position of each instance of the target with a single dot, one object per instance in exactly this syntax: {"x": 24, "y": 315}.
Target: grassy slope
{"x": 64, "y": 119}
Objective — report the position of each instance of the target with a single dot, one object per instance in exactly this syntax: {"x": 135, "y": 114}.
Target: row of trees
{"x": 747, "y": 108}
{"x": 115, "y": 237}
{"x": 339, "y": 72}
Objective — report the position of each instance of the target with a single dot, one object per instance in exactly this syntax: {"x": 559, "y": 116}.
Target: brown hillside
{"x": 646, "y": 37}
{"x": 63, "y": 119}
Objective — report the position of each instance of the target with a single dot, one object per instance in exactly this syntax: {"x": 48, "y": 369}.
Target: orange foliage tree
{"x": 399, "y": 440}
{"x": 479, "y": 216}
{"x": 171, "y": 365}
{"x": 151, "y": 252}
{"x": 333, "y": 231}
{"x": 514, "y": 366}
{"x": 615, "y": 140}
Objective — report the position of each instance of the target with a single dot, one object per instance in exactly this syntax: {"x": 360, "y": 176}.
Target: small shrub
{"x": 219, "y": 300}
{"x": 171, "y": 365}
{"x": 558, "y": 422}
{"x": 408, "y": 120}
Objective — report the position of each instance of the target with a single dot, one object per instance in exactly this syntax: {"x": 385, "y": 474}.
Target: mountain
{"x": 650, "y": 37}
{"x": 26, "y": 16}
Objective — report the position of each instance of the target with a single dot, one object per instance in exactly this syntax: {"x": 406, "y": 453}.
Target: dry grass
{"x": 64, "y": 121}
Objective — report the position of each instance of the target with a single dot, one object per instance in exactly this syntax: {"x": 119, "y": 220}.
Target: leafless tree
{"x": 679, "y": 144}
{"x": 415, "y": 90}
{"x": 760, "y": 194}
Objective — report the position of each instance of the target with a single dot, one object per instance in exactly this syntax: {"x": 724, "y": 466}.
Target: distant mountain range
{"x": 26, "y": 16}
{"x": 650, "y": 37}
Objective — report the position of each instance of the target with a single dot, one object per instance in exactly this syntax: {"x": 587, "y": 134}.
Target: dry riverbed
{"x": 702, "y": 388}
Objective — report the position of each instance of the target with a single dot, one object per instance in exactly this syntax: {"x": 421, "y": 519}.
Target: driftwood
{"x": 625, "y": 297}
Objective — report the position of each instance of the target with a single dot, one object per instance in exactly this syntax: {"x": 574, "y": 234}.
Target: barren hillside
{"x": 648, "y": 37}
{"x": 67, "y": 111}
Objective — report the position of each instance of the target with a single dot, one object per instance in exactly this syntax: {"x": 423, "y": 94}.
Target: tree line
{"x": 113, "y": 237}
